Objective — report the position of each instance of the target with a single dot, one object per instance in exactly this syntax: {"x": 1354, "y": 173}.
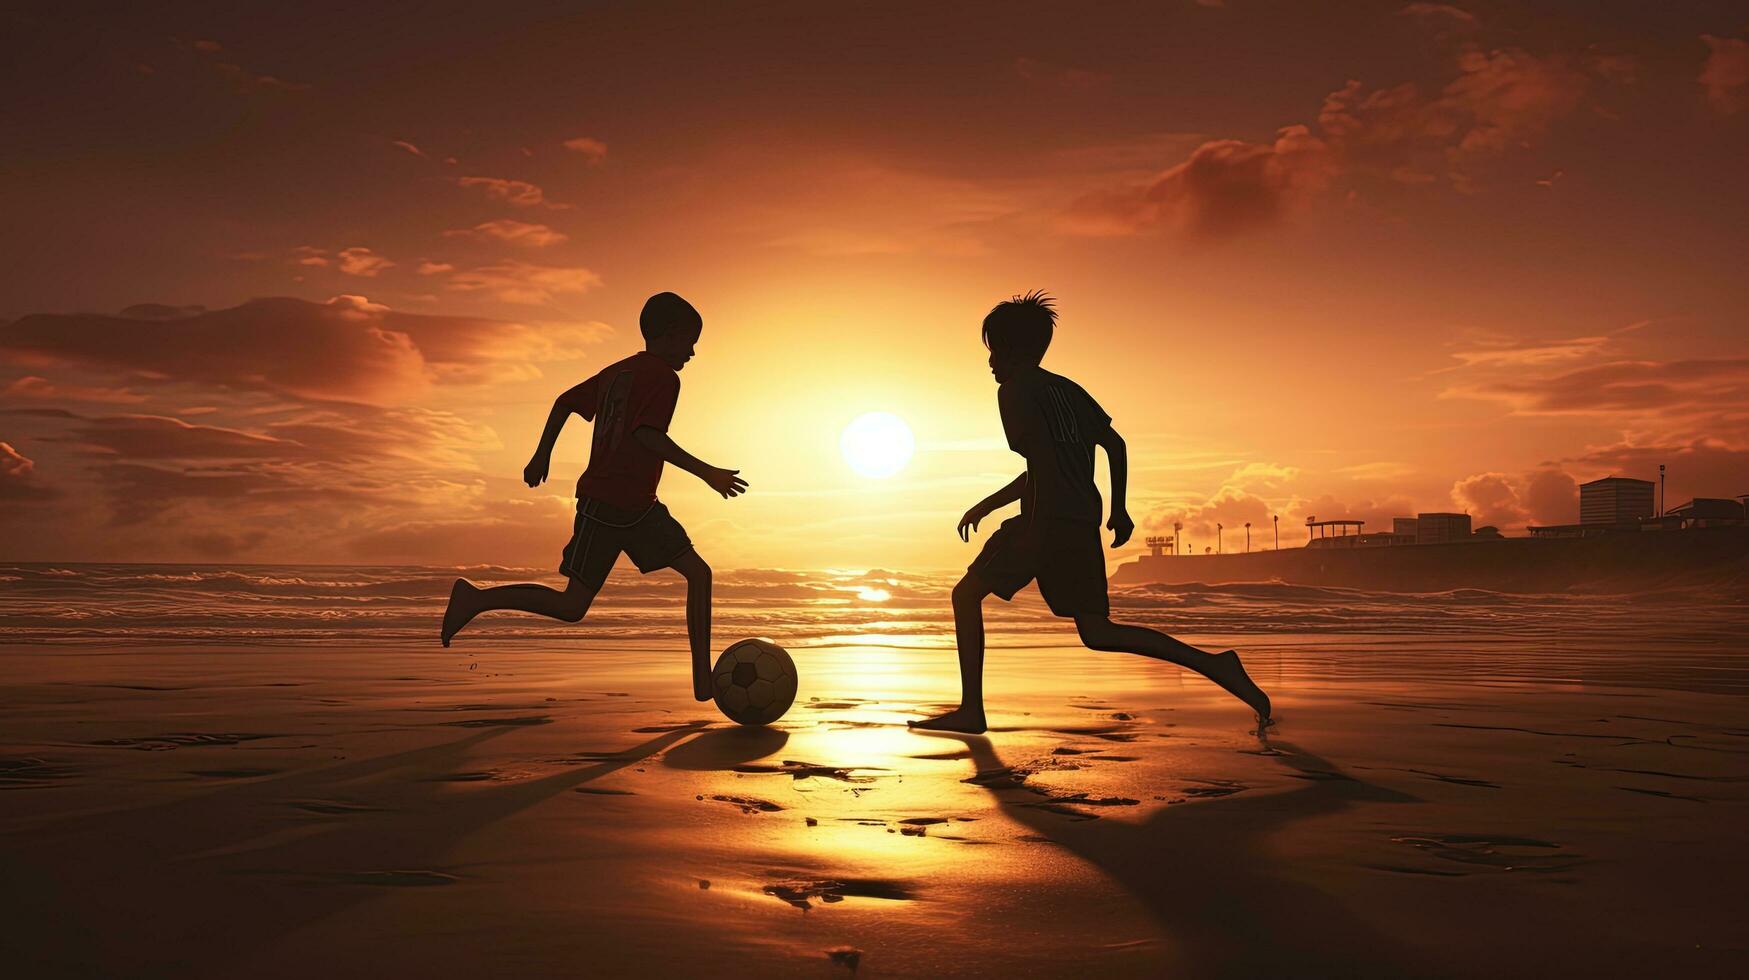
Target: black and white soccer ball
{"x": 755, "y": 682}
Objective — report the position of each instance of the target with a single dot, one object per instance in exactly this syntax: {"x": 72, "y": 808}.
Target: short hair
{"x": 666, "y": 312}
{"x": 1022, "y": 326}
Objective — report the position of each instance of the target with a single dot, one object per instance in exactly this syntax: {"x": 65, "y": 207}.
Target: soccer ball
{"x": 755, "y": 681}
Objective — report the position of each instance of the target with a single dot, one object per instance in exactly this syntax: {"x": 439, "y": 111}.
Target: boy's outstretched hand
{"x": 1121, "y": 527}
{"x": 969, "y": 522}
{"x": 535, "y": 473}
{"x": 725, "y": 482}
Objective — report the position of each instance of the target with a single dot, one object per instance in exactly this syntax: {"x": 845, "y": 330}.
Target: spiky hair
{"x": 1022, "y": 326}
{"x": 666, "y": 312}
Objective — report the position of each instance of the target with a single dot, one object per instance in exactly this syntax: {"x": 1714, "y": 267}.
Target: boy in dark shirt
{"x": 631, "y": 403}
{"x": 1055, "y": 424}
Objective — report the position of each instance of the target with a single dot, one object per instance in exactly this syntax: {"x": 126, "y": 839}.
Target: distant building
{"x": 1440, "y": 528}
{"x": 1707, "y": 510}
{"x": 1403, "y": 525}
{"x": 1487, "y": 533}
{"x": 1615, "y": 500}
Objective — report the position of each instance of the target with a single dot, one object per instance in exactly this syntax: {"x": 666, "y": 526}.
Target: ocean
{"x": 128, "y": 603}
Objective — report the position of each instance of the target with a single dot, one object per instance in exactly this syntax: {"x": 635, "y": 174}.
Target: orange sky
{"x": 294, "y": 285}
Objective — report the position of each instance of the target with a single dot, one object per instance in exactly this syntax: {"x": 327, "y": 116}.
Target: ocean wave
{"x": 55, "y": 603}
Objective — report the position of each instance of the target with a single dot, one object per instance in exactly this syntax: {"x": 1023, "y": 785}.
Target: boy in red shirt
{"x": 1054, "y": 424}
{"x": 631, "y": 403}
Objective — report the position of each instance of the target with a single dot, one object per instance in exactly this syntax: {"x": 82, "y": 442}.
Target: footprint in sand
{"x": 746, "y": 804}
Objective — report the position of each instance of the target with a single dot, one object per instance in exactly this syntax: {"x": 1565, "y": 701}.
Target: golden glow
{"x": 877, "y": 444}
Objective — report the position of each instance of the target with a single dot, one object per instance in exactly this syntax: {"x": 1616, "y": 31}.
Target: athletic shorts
{"x": 1066, "y": 559}
{"x": 652, "y": 537}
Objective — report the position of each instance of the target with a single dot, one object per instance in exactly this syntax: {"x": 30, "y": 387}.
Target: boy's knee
{"x": 697, "y": 571}
{"x": 969, "y": 591}
{"x": 1095, "y": 630}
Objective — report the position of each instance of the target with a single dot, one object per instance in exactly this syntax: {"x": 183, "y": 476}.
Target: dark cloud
{"x": 160, "y": 437}
{"x": 1499, "y": 101}
{"x": 1551, "y": 496}
{"x": 18, "y": 482}
{"x": 1489, "y": 498}
{"x": 1665, "y": 387}
{"x": 346, "y": 349}
{"x": 1701, "y": 467}
{"x": 1726, "y": 72}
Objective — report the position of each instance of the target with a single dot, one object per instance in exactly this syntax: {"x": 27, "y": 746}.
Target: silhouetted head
{"x": 1018, "y": 332}
{"x": 670, "y": 327}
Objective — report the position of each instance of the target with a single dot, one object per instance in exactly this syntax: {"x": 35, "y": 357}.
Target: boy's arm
{"x": 989, "y": 505}
{"x": 722, "y": 481}
{"x": 1117, "y": 454}
{"x": 535, "y": 473}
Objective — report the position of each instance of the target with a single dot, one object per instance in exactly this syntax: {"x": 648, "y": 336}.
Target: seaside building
{"x": 1707, "y": 511}
{"x": 1440, "y": 528}
{"x": 1615, "y": 500}
{"x": 1403, "y": 525}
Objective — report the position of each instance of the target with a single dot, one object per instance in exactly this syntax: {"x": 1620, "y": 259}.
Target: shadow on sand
{"x": 1229, "y": 905}
{"x": 259, "y": 872}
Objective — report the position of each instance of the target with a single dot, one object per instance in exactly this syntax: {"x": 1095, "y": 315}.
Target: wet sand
{"x": 1425, "y": 807}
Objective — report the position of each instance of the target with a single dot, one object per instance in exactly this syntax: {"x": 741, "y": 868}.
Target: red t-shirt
{"x": 640, "y": 390}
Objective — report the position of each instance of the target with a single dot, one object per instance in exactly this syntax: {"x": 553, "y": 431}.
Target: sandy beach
{"x": 532, "y": 809}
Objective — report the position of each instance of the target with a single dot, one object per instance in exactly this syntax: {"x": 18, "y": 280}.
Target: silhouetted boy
{"x": 631, "y": 403}
{"x": 1052, "y": 422}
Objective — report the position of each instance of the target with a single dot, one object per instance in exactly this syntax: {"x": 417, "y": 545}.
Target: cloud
{"x": 508, "y": 230}
{"x": 1060, "y": 76}
{"x": 1230, "y": 506}
{"x": 593, "y": 151}
{"x": 1442, "y": 14}
{"x": 347, "y": 348}
{"x": 18, "y": 482}
{"x": 1382, "y": 470}
{"x": 160, "y": 311}
{"x": 1726, "y": 72}
{"x": 242, "y": 79}
{"x": 34, "y": 388}
{"x": 160, "y": 437}
{"x": 1503, "y": 351}
{"x": 1489, "y": 498}
{"x": 1226, "y": 187}
{"x": 1498, "y": 102}
{"x": 354, "y": 261}
{"x": 523, "y": 282}
{"x": 1701, "y": 467}
{"x": 1550, "y": 496}
{"x": 520, "y": 193}
{"x": 361, "y": 262}
{"x": 1670, "y": 388}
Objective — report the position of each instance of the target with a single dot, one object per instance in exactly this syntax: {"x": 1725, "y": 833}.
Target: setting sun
{"x": 877, "y": 444}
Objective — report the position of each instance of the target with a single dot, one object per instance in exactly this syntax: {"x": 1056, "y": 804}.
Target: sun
{"x": 877, "y": 444}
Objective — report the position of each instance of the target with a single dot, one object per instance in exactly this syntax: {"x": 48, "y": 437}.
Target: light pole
{"x": 1177, "y": 530}
{"x": 1247, "y": 537}
{"x": 1276, "y": 520}
{"x": 1220, "y": 539}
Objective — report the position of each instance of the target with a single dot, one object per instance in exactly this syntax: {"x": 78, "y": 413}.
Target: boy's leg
{"x": 698, "y": 619}
{"x": 1100, "y": 633}
{"x": 968, "y": 628}
{"x": 466, "y": 601}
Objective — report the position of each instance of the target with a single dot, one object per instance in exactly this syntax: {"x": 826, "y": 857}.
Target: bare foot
{"x": 961, "y": 719}
{"x": 461, "y": 609}
{"x": 1230, "y": 674}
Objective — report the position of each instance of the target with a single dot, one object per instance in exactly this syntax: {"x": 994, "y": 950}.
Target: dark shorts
{"x": 652, "y": 537}
{"x": 1066, "y": 559}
